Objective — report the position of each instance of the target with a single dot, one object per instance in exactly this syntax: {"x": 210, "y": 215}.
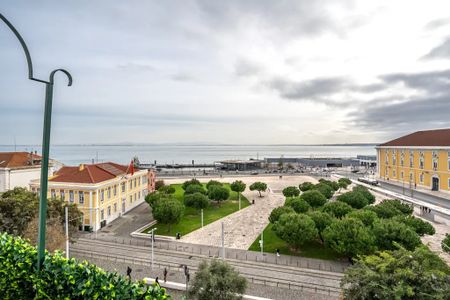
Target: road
{"x": 287, "y": 277}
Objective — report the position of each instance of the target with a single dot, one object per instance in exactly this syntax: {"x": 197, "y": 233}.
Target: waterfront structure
{"x": 420, "y": 159}
{"x": 17, "y": 169}
{"x": 368, "y": 161}
{"x": 312, "y": 162}
{"x": 239, "y": 165}
{"x": 102, "y": 191}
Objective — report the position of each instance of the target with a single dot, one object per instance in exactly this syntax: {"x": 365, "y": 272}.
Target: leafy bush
{"x": 354, "y": 199}
{"x": 295, "y": 229}
{"x": 168, "y": 211}
{"x": 218, "y": 193}
{"x": 167, "y": 189}
{"x": 322, "y": 221}
{"x": 159, "y": 184}
{"x": 277, "y": 212}
{"x": 391, "y": 208}
{"x": 333, "y": 184}
{"x": 388, "y": 232}
{"x": 314, "y": 198}
{"x": 399, "y": 274}
{"x": 187, "y": 183}
{"x": 325, "y": 189}
{"x": 213, "y": 182}
{"x": 420, "y": 226}
{"x": 291, "y": 191}
{"x": 368, "y": 217}
{"x": 446, "y": 243}
{"x": 195, "y": 188}
{"x": 365, "y": 192}
{"x": 154, "y": 197}
{"x": 305, "y": 186}
{"x": 344, "y": 182}
{"x": 337, "y": 208}
{"x": 196, "y": 200}
{"x": 298, "y": 204}
{"x": 60, "y": 278}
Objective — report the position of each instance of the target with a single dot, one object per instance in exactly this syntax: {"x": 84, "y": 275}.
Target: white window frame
{"x": 81, "y": 197}
{"x": 115, "y": 190}
{"x": 71, "y": 196}
{"x": 62, "y": 195}
{"x": 109, "y": 211}
{"x": 102, "y": 195}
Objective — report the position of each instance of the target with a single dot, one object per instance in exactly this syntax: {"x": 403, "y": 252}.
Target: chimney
{"x": 31, "y": 158}
{"x": 81, "y": 168}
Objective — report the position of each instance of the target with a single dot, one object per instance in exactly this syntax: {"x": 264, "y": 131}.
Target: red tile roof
{"x": 90, "y": 173}
{"x": 426, "y": 138}
{"x": 14, "y": 160}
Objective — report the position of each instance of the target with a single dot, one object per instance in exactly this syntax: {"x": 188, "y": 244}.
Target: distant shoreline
{"x": 196, "y": 145}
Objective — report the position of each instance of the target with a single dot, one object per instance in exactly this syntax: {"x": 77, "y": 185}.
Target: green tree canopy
{"x": 195, "y": 188}
{"x": 213, "y": 182}
{"x": 159, "y": 184}
{"x": 217, "y": 280}
{"x": 325, "y": 189}
{"x": 154, "y": 197}
{"x": 344, "y": 182}
{"x": 398, "y": 274}
{"x": 277, "y": 212}
{"x": 322, "y": 220}
{"x": 337, "y": 208}
{"x": 168, "y": 211}
{"x": 314, "y": 198}
{"x": 218, "y": 193}
{"x": 196, "y": 200}
{"x": 445, "y": 244}
{"x": 189, "y": 182}
{"x": 368, "y": 217}
{"x": 333, "y": 184}
{"x": 391, "y": 208}
{"x": 291, "y": 191}
{"x": 420, "y": 226}
{"x": 167, "y": 189}
{"x": 349, "y": 237}
{"x": 295, "y": 229}
{"x": 388, "y": 232}
{"x": 305, "y": 186}
{"x": 298, "y": 204}
{"x": 238, "y": 186}
{"x": 365, "y": 192}
{"x": 354, "y": 199}
{"x": 258, "y": 186}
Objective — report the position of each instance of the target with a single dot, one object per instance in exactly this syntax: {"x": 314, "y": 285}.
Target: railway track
{"x": 256, "y": 272}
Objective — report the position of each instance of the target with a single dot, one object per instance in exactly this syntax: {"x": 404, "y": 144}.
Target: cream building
{"x": 103, "y": 191}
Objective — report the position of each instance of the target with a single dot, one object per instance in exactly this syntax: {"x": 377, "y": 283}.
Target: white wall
{"x": 11, "y": 178}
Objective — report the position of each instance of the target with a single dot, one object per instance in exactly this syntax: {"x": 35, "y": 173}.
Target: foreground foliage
{"x": 399, "y": 274}
{"x": 60, "y": 278}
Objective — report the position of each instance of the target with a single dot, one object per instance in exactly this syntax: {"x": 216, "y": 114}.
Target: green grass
{"x": 312, "y": 250}
{"x": 192, "y": 218}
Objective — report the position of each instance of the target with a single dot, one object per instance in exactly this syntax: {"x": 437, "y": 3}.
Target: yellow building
{"x": 420, "y": 159}
{"x": 102, "y": 191}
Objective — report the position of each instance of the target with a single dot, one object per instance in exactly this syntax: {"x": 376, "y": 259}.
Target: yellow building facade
{"x": 413, "y": 162}
{"x": 103, "y": 194}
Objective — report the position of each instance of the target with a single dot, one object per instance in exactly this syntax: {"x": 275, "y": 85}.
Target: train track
{"x": 256, "y": 272}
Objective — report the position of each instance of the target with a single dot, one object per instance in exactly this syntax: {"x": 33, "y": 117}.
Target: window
{"x": 115, "y": 207}
{"x": 139, "y": 182}
{"x": 131, "y": 198}
{"x": 115, "y": 190}
{"x": 135, "y": 197}
{"x": 401, "y": 174}
{"x": 421, "y": 160}
{"x": 387, "y": 157}
{"x": 102, "y": 214}
{"x": 394, "y": 157}
{"x": 71, "y": 196}
{"x": 411, "y": 177}
{"x": 402, "y": 158}
{"x": 411, "y": 158}
{"x": 109, "y": 192}
{"x": 421, "y": 178}
{"x": 81, "y": 197}
{"x": 393, "y": 173}
{"x": 109, "y": 211}
{"x": 123, "y": 187}
{"x": 449, "y": 183}
{"x": 386, "y": 172}
{"x": 139, "y": 195}
{"x": 131, "y": 184}
{"x": 53, "y": 194}
{"x": 435, "y": 160}
{"x": 135, "y": 183}
{"x": 102, "y": 195}
{"x": 61, "y": 194}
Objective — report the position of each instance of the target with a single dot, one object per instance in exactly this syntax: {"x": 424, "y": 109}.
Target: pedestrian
{"x": 278, "y": 252}
{"x": 165, "y": 274}
{"x": 129, "y": 270}
{"x": 157, "y": 281}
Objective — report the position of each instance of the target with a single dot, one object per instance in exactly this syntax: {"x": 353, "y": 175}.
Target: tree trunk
{"x": 260, "y": 194}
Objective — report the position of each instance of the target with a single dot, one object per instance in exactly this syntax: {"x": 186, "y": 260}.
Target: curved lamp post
{"x": 45, "y": 139}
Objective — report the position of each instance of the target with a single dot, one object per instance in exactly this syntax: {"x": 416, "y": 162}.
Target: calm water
{"x": 76, "y": 154}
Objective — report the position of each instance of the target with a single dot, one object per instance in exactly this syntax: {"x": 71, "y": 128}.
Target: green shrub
{"x": 159, "y": 184}
{"x": 190, "y": 182}
{"x": 325, "y": 189}
{"x": 213, "y": 182}
{"x": 298, "y": 204}
{"x": 337, "y": 208}
{"x": 389, "y": 232}
{"x": 365, "y": 192}
{"x": 354, "y": 199}
{"x": 446, "y": 243}
{"x": 314, "y": 198}
{"x": 195, "y": 188}
{"x": 333, "y": 184}
{"x": 391, "y": 208}
{"x": 420, "y": 226}
{"x": 167, "y": 189}
{"x": 295, "y": 229}
{"x": 305, "y": 186}
{"x": 368, "y": 217}
{"x": 196, "y": 200}
{"x": 60, "y": 278}
{"x": 277, "y": 212}
{"x": 291, "y": 191}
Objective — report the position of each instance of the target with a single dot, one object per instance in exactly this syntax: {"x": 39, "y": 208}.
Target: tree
{"x": 420, "y": 226}
{"x": 213, "y": 182}
{"x": 238, "y": 186}
{"x": 365, "y": 192}
{"x": 291, "y": 191}
{"x": 190, "y": 182}
{"x": 217, "y": 280}
{"x": 258, "y": 186}
{"x": 167, "y": 189}
{"x": 354, "y": 199}
{"x": 168, "y": 211}
{"x": 295, "y": 229}
{"x": 277, "y": 212}
{"x": 337, "y": 208}
{"x": 195, "y": 188}
{"x": 368, "y": 217}
{"x": 314, "y": 198}
{"x": 391, "y": 208}
{"x": 322, "y": 220}
{"x": 196, "y": 200}
{"x": 388, "y": 232}
{"x": 153, "y": 198}
{"x": 398, "y": 274}
{"x": 349, "y": 237}
{"x": 159, "y": 184}
{"x": 298, "y": 204}
{"x": 218, "y": 193}
{"x": 446, "y": 243}
{"x": 55, "y": 239}
{"x": 333, "y": 184}
{"x": 325, "y": 189}
{"x": 344, "y": 183}
{"x": 305, "y": 186}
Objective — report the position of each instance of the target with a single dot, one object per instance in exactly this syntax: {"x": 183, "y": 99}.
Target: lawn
{"x": 192, "y": 218}
{"x": 312, "y": 250}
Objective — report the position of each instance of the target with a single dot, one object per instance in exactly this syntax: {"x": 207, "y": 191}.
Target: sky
{"x": 230, "y": 72}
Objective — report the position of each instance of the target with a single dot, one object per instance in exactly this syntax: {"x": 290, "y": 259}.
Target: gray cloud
{"x": 182, "y": 76}
{"x": 433, "y": 82}
{"x": 244, "y": 68}
{"x": 441, "y": 51}
{"x": 437, "y": 23}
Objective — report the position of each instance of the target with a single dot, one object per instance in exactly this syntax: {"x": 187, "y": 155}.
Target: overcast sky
{"x": 263, "y": 72}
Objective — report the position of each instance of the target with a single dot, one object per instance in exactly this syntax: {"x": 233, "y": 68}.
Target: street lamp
{"x": 45, "y": 139}
{"x": 152, "y": 232}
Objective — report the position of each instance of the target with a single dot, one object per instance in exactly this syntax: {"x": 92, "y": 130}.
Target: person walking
{"x": 157, "y": 281}
{"x": 129, "y": 270}
{"x": 165, "y": 274}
